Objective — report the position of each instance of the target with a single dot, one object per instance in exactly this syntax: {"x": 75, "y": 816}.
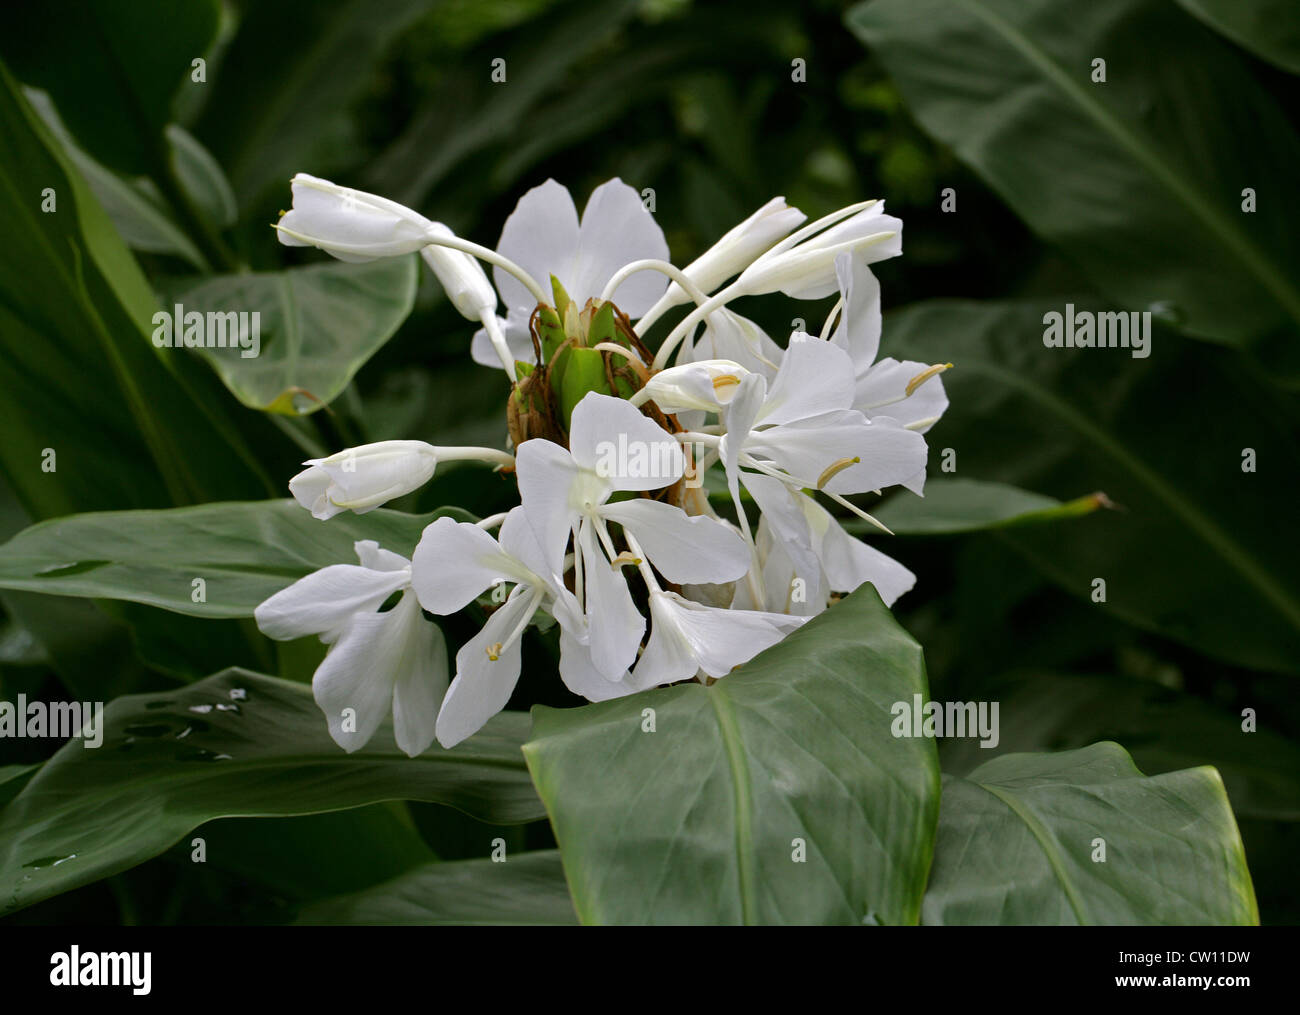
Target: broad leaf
{"x": 1155, "y": 216}
{"x": 244, "y": 552}
{"x": 525, "y": 889}
{"x": 1183, "y": 553}
{"x": 704, "y": 819}
{"x": 316, "y": 326}
{"x": 1020, "y": 841}
{"x": 236, "y": 744}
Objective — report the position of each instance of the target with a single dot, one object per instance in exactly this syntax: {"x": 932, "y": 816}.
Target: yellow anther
{"x": 925, "y": 375}
{"x": 834, "y": 469}
{"x": 494, "y": 651}
{"x": 624, "y": 558}
{"x": 725, "y": 381}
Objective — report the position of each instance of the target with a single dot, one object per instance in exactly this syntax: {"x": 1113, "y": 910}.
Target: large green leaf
{"x": 1139, "y": 178}
{"x": 113, "y": 68}
{"x": 238, "y": 744}
{"x": 317, "y": 326}
{"x": 1016, "y": 845}
{"x": 79, "y": 374}
{"x": 244, "y": 552}
{"x": 1268, "y": 28}
{"x": 527, "y": 888}
{"x": 700, "y": 820}
{"x": 1184, "y": 553}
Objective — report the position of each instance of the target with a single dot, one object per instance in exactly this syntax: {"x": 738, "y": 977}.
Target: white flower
{"x": 360, "y": 479}
{"x": 461, "y": 277}
{"x": 568, "y": 491}
{"x": 350, "y": 224}
{"x": 907, "y": 391}
{"x": 544, "y": 237}
{"x": 803, "y": 265}
{"x": 378, "y": 663}
{"x": 802, "y": 430}
{"x": 454, "y": 564}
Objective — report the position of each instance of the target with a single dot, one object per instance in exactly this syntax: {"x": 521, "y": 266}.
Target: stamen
{"x": 494, "y": 651}
{"x": 725, "y": 381}
{"x": 834, "y": 469}
{"x": 925, "y": 375}
{"x": 626, "y": 557}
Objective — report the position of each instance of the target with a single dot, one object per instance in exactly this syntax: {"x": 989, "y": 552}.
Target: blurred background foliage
{"x": 696, "y": 101}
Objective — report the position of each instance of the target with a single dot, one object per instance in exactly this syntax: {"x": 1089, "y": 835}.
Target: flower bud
{"x": 461, "y": 277}
{"x": 706, "y": 385}
{"x": 350, "y": 224}
{"x": 360, "y": 479}
{"x": 734, "y": 252}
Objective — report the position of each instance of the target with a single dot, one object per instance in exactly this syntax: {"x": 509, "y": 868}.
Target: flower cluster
{"x": 622, "y": 458}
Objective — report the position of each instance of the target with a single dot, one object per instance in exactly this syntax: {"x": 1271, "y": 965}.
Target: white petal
{"x": 518, "y": 339}
{"x": 702, "y": 384}
{"x": 815, "y": 377}
{"x": 454, "y": 563}
{"x": 611, "y": 438}
{"x": 733, "y": 337}
{"x": 789, "y": 528}
{"x": 483, "y": 685}
{"x": 310, "y": 488}
{"x": 547, "y": 476}
{"x": 742, "y": 243}
{"x": 373, "y": 556}
{"x": 320, "y": 602}
{"x": 739, "y": 419}
{"x": 858, "y": 330}
{"x": 807, "y": 448}
{"x": 364, "y": 477}
{"x": 881, "y": 387}
{"x": 349, "y": 224}
{"x": 617, "y": 229}
{"x": 517, "y": 538}
{"x": 849, "y": 562}
{"x": 580, "y": 675}
{"x": 420, "y": 683}
{"x": 682, "y": 547}
{"x": 541, "y": 236}
{"x": 613, "y": 621}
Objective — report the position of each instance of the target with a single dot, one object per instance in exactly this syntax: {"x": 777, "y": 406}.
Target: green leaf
{"x": 138, "y": 212}
{"x": 318, "y": 326}
{"x": 527, "y": 889}
{"x": 201, "y": 177}
{"x": 1017, "y": 840}
{"x": 171, "y": 761}
{"x": 131, "y": 58}
{"x": 1155, "y": 215}
{"x": 81, "y": 379}
{"x": 970, "y": 505}
{"x": 1184, "y": 553}
{"x": 1163, "y": 728}
{"x": 1268, "y": 28}
{"x": 244, "y": 552}
{"x": 698, "y": 821}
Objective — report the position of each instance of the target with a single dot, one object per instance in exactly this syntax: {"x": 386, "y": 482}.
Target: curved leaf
{"x": 701, "y": 820}
{"x": 970, "y": 505}
{"x": 1017, "y": 845}
{"x": 1268, "y": 28}
{"x": 316, "y": 327}
{"x": 237, "y": 744}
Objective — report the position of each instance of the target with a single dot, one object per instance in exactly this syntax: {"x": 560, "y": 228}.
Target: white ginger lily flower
{"x": 362, "y": 478}
{"x": 908, "y": 391}
{"x": 544, "y": 237}
{"x": 614, "y": 448}
{"x": 704, "y": 385}
{"x": 454, "y": 564}
{"x": 378, "y": 664}
{"x": 802, "y": 431}
{"x": 350, "y": 224}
